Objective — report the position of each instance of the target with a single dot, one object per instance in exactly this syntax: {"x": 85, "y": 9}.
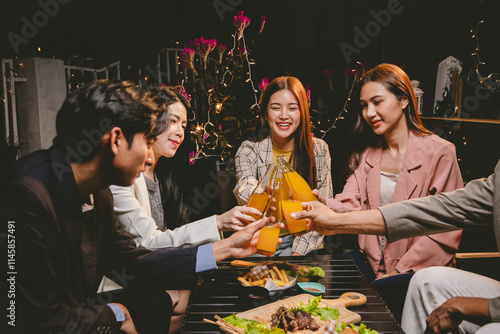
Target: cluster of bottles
{"x": 288, "y": 189}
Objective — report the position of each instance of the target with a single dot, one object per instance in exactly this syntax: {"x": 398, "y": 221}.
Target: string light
{"x": 209, "y": 137}
{"x": 344, "y": 109}
{"x": 249, "y": 69}
{"x": 218, "y": 107}
{"x": 477, "y": 62}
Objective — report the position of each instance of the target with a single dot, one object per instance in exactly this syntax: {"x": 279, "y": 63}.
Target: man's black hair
{"x": 95, "y": 109}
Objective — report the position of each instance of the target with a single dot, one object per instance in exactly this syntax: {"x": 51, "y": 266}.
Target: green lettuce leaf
{"x": 240, "y": 322}
{"x": 261, "y": 328}
{"x": 317, "y": 271}
{"x": 362, "y": 329}
{"x": 324, "y": 313}
{"x": 340, "y": 325}
{"x": 311, "y": 272}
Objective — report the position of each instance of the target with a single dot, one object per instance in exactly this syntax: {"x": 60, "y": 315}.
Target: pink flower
{"x": 221, "y": 48}
{"x": 240, "y": 21}
{"x": 308, "y": 94}
{"x": 263, "y": 84}
{"x": 204, "y": 46}
{"x": 262, "y": 23}
{"x": 220, "y": 126}
{"x": 187, "y": 58}
{"x": 182, "y": 90}
{"x": 328, "y": 73}
{"x": 191, "y": 157}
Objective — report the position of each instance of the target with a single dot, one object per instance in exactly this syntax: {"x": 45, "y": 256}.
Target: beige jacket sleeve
{"x": 135, "y": 219}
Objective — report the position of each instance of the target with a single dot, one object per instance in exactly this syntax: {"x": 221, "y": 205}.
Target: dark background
{"x": 301, "y": 38}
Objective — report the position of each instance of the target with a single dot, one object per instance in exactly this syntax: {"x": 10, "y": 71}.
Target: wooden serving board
{"x": 247, "y": 264}
{"x": 263, "y": 313}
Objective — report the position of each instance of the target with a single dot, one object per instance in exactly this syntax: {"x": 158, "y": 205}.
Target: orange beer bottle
{"x": 298, "y": 186}
{"x": 261, "y": 195}
{"x": 269, "y": 234}
{"x": 296, "y": 191}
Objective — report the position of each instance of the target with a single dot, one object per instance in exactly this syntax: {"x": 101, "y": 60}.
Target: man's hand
{"x": 318, "y": 216}
{"x": 448, "y": 316}
{"x": 242, "y": 243}
{"x": 325, "y": 221}
{"x": 236, "y": 218}
{"x": 127, "y": 324}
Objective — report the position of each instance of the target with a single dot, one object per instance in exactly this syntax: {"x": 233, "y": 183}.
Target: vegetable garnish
{"x": 240, "y": 322}
{"x": 324, "y": 313}
{"x": 361, "y": 329}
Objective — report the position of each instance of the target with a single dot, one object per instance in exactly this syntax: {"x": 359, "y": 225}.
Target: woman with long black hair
{"x": 151, "y": 209}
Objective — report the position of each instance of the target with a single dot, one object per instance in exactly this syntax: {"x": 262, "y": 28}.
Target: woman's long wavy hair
{"x": 172, "y": 172}
{"x": 302, "y": 155}
{"x": 396, "y": 81}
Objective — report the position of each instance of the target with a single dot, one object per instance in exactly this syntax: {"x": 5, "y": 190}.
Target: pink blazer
{"x": 430, "y": 167}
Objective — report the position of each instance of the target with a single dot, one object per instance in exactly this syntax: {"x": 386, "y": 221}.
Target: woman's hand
{"x": 236, "y": 218}
{"x": 395, "y": 272}
{"x": 447, "y": 317}
{"x": 320, "y": 198}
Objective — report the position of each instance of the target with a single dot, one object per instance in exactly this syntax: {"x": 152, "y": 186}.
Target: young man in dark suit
{"x": 62, "y": 236}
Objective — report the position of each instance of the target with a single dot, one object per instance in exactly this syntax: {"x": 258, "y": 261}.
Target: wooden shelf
{"x": 465, "y": 120}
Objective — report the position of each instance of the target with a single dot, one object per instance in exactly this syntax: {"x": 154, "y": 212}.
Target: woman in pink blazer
{"x": 396, "y": 158}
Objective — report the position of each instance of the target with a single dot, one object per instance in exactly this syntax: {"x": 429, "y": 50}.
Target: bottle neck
{"x": 283, "y": 164}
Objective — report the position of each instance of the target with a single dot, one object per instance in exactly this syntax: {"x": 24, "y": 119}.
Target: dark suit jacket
{"x": 61, "y": 253}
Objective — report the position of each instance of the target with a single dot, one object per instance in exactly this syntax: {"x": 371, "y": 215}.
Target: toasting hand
{"x": 318, "y": 216}
{"x": 325, "y": 221}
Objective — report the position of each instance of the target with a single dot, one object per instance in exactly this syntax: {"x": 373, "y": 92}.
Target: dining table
{"x": 219, "y": 293}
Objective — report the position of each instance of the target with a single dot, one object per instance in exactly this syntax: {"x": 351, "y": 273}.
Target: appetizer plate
{"x": 263, "y": 313}
{"x": 303, "y": 273}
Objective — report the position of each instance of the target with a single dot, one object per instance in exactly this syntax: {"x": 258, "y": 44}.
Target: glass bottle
{"x": 269, "y": 234}
{"x": 298, "y": 186}
{"x": 261, "y": 195}
{"x": 295, "y": 191}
